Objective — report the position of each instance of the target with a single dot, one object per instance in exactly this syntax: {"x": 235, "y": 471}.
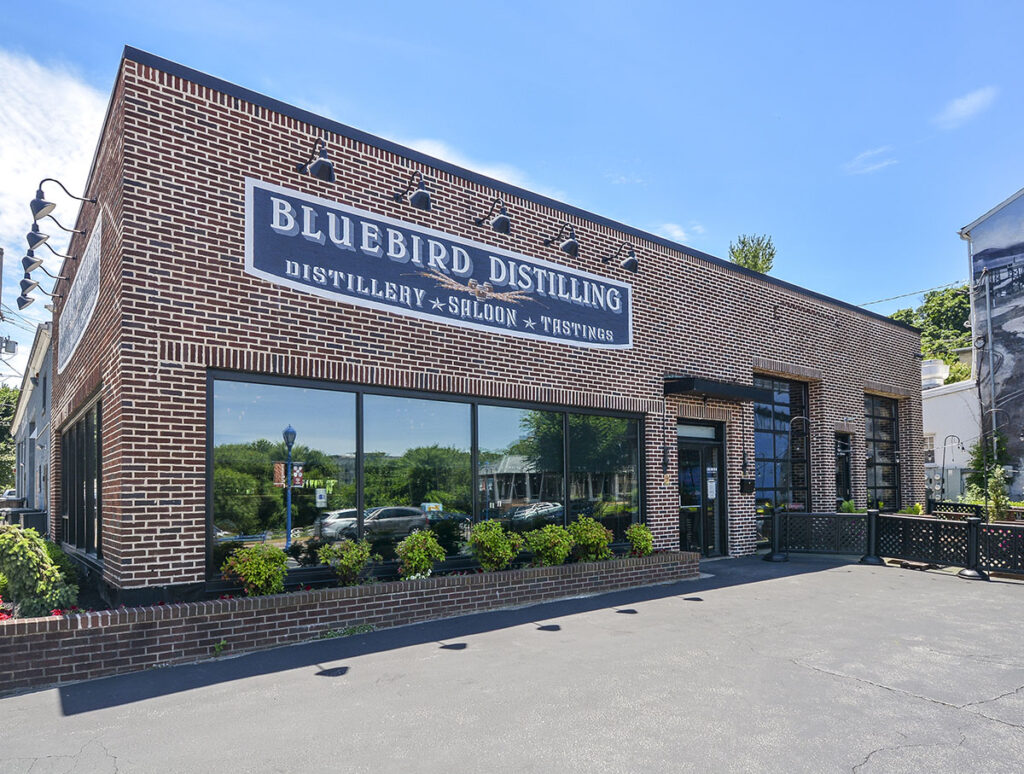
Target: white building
{"x": 951, "y": 419}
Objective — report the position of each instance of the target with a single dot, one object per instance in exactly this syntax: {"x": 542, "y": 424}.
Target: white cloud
{"x": 870, "y": 161}
{"x": 678, "y": 233}
{"x": 962, "y": 109}
{"x": 49, "y": 125}
{"x": 507, "y": 173}
{"x": 625, "y": 179}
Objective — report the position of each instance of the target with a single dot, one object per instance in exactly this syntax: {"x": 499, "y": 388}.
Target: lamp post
{"x": 289, "y": 442}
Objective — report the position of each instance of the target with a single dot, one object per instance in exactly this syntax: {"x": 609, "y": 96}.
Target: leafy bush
{"x": 34, "y": 582}
{"x": 591, "y": 538}
{"x": 417, "y": 554}
{"x": 3, "y": 584}
{"x": 68, "y": 569}
{"x": 348, "y": 559}
{"x": 550, "y": 545}
{"x": 848, "y": 506}
{"x": 493, "y": 546}
{"x": 641, "y": 539}
{"x": 912, "y": 510}
{"x": 259, "y": 568}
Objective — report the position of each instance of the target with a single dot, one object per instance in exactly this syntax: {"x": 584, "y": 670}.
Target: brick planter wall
{"x": 41, "y": 652}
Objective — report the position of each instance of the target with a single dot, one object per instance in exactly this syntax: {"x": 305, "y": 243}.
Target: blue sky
{"x": 860, "y": 137}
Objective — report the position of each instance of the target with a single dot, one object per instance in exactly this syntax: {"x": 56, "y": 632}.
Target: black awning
{"x": 710, "y": 388}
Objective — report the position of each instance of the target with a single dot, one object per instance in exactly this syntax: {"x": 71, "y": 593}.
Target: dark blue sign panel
{"x": 335, "y": 251}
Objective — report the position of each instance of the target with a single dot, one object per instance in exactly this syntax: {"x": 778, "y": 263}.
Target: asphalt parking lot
{"x": 811, "y": 666}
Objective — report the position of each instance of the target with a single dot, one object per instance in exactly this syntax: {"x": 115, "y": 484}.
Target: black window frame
{"x": 784, "y": 495}
{"x": 359, "y": 390}
{"x": 873, "y": 459}
{"x": 81, "y": 446}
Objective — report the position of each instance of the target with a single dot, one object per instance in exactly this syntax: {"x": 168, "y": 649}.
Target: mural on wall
{"x": 997, "y": 250}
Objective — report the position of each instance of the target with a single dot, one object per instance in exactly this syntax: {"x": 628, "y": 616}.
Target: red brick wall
{"x": 186, "y": 305}
{"x": 39, "y": 652}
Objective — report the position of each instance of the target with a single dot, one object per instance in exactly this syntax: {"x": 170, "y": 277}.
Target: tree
{"x": 753, "y": 251}
{"x": 942, "y": 318}
{"x": 982, "y": 464}
{"x": 8, "y": 402}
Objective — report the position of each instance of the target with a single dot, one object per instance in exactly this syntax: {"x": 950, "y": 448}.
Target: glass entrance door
{"x": 700, "y": 498}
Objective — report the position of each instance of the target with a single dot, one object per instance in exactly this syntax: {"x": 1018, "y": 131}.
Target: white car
{"x": 333, "y": 524}
{"x": 10, "y": 494}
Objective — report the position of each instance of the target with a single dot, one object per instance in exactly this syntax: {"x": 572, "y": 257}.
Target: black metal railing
{"x": 948, "y": 510}
{"x": 967, "y": 542}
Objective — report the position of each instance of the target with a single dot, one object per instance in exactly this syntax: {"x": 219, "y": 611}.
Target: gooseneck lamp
{"x": 28, "y": 284}
{"x": 501, "y": 222}
{"x": 630, "y": 263}
{"x": 35, "y": 237}
{"x": 41, "y": 207}
{"x": 289, "y": 441}
{"x": 321, "y": 168}
{"x": 570, "y": 245}
{"x": 30, "y": 262}
{"x": 420, "y": 198}
{"x": 65, "y": 228}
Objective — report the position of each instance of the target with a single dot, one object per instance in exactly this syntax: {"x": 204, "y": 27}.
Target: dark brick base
{"x": 41, "y": 652}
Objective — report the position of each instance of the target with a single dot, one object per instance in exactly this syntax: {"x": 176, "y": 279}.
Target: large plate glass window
{"x": 249, "y": 499}
{"x": 417, "y": 471}
{"x": 604, "y": 471}
{"x": 781, "y": 451}
{"x": 82, "y": 505}
{"x": 881, "y": 436}
{"x": 520, "y": 471}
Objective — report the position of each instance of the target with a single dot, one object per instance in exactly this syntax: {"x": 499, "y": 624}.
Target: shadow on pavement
{"x": 108, "y": 692}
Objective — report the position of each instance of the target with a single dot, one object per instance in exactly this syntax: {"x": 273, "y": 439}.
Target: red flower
{"x": 56, "y": 611}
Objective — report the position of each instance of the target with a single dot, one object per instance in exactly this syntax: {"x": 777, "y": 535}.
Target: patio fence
{"x": 964, "y": 542}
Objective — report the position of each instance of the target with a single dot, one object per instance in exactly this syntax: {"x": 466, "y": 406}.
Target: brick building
{"x": 437, "y": 367}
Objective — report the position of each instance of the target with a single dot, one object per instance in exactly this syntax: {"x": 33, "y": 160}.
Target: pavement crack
{"x": 905, "y": 746}
{"x": 883, "y": 686}
{"x": 994, "y": 698}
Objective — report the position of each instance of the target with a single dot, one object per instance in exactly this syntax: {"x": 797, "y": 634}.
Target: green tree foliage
{"x": 8, "y": 402}
{"x": 425, "y": 474}
{"x": 983, "y": 464}
{"x": 753, "y": 251}
{"x": 941, "y": 318}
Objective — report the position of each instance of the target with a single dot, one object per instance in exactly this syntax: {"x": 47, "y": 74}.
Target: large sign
{"x": 78, "y": 309}
{"x": 342, "y": 253}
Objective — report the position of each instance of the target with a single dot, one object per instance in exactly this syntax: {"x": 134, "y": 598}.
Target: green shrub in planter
{"x": 493, "y": 546}
{"x": 34, "y": 582}
{"x": 641, "y": 539}
{"x": 417, "y": 554}
{"x": 591, "y": 538}
{"x": 550, "y": 545}
{"x": 259, "y": 568}
{"x": 913, "y": 510}
{"x": 68, "y": 569}
{"x": 348, "y": 559}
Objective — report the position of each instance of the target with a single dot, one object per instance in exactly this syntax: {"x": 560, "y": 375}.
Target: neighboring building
{"x": 555, "y": 364}
{"x": 952, "y": 424}
{"x": 996, "y": 251}
{"x": 30, "y": 425}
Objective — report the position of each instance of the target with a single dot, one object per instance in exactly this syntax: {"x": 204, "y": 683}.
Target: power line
{"x": 915, "y": 293}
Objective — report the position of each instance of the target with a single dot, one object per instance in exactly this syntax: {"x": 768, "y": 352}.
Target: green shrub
{"x": 591, "y": 538}
{"x": 550, "y": 545}
{"x": 34, "y": 582}
{"x": 348, "y": 559}
{"x": 259, "y": 568}
{"x": 641, "y": 539}
{"x": 417, "y": 554}
{"x": 912, "y": 510}
{"x": 3, "y": 584}
{"x": 493, "y": 546}
{"x": 68, "y": 569}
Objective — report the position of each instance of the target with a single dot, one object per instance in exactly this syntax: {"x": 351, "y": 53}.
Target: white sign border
{"x": 89, "y": 257}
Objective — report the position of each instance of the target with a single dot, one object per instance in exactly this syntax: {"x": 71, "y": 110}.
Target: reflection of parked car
{"x": 388, "y": 522}
{"x": 538, "y": 511}
{"x": 332, "y": 524}
{"x": 435, "y": 516}
{"x": 10, "y": 494}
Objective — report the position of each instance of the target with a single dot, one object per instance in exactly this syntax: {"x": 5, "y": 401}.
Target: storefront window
{"x": 520, "y": 475}
{"x": 80, "y": 493}
{"x": 882, "y": 439}
{"x": 417, "y": 471}
{"x": 248, "y": 503}
{"x": 781, "y": 453}
{"x": 603, "y": 460}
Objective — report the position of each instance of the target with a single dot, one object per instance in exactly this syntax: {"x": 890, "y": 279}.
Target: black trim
{"x": 710, "y": 388}
{"x": 305, "y": 116}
